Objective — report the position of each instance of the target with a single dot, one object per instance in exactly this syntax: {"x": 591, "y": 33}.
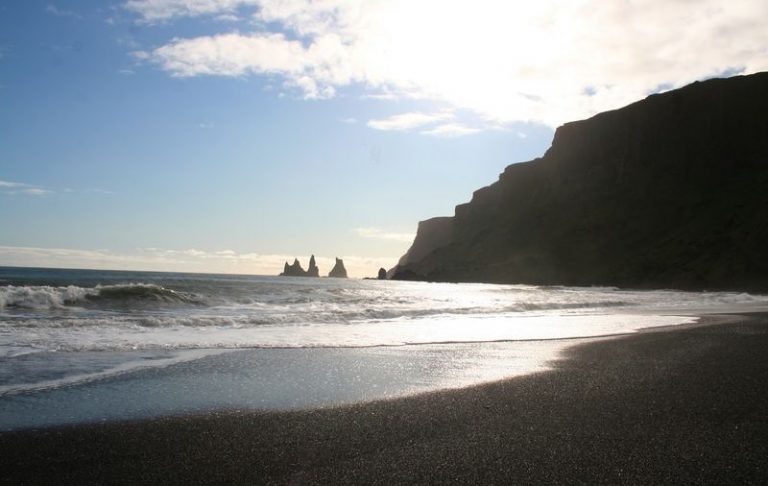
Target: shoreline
{"x": 149, "y": 384}
{"x": 660, "y": 405}
{"x": 280, "y": 379}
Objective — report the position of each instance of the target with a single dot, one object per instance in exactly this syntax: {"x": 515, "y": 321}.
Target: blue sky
{"x": 228, "y": 135}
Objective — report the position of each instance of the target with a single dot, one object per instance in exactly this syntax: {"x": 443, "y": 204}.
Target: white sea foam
{"x": 393, "y": 332}
{"x": 108, "y": 366}
{"x": 325, "y": 312}
{"x": 118, "y": 314}
{"x": 42, "y": 297}
{"x": 47, "y": 297}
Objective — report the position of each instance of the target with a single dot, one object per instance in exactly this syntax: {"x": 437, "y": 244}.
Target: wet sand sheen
{"x": 276, "y": 379}
{"x": 151, "y": 384}
{"x": 679, "y": 406}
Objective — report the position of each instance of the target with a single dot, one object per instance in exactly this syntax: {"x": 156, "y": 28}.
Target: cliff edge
{"x": 668, "y": 192}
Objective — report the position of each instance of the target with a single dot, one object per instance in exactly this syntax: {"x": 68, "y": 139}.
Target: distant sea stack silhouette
{"x": 338, "y": 270}
{"x": 295, "y": 269}
{"x": 313, "y": 271}
{"x": 668, "y": 192}
{"x": 382, "y": 274}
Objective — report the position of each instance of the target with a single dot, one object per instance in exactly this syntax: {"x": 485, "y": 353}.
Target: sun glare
{"x": 467, "y": 56}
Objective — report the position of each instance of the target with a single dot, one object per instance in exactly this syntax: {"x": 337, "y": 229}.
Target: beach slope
{"x": 679, "y": 406}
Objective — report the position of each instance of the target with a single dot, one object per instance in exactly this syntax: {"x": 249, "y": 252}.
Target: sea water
{"x": 95, "y": 341}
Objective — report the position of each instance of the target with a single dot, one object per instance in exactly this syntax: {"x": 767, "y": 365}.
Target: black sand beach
{"x": 682, "y": 406}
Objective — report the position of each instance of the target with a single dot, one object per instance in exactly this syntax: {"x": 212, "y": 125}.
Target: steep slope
{"x": 671, "y": 191}
{"x": 431, "y": 234}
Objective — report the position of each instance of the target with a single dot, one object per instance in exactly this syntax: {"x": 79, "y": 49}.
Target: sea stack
{"x": 313, "y": 271}
{"x": 382, "y": 274}
{"x": 338, "y": 270}
{"x": 295, "y": 269}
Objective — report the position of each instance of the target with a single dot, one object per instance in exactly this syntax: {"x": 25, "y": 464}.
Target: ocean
{"x": 85, "y": 345}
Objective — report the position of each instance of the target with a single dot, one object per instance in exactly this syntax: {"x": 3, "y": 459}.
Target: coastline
{"x": 683, "y": 405}
{"x": 163, "y": 383}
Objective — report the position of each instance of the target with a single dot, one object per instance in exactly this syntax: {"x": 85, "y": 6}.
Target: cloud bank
{"x": 407, "y": 121}
{"x": 379, "y": 234}
{"x": 547, "y": 61}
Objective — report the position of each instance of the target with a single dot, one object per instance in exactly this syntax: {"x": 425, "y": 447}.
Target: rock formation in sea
{"x": 295, "y": 269}
{"x": 669, "y": 191}
{"x": 313, "y": 271}
{"x": 382, "y": 274}
{"x": 338, "y": 270}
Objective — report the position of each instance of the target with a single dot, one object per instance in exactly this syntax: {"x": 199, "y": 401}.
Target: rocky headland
{"x": 669, "y": 191}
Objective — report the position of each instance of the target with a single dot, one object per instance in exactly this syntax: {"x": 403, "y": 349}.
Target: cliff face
{"x": 430, "y": 235}
{"x": 667, "y": 192}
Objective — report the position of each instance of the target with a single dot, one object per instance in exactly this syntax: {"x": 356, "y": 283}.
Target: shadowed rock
{"x": 295, "y": 269}
{"x": 313, "y": 271}
{"x": 338, "y": 270}
{"x": 666, "y": 192}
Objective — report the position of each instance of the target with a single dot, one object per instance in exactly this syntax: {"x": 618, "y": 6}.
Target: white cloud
{"x": 8, "y": 187}
{"x": 230, "y": 55}
{"x": 160, "y": 10}
{"x": 312, "y": 70}
{"x": 381, "y": 96}
{"x": 53, "y": 10}
{"x": 227, "y": 18}
{"x": 380, "y": 234}
{"x": 128, "y": 41}
{"x": 408, "y": 121}
{"x": 451, "y": 130}
{"x": 35, "y": 191}
{"x": 188, "y": 260}
{"x": 547, "y": 61}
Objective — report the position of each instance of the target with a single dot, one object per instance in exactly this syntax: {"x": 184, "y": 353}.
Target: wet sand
{"x": 686, "y": 405}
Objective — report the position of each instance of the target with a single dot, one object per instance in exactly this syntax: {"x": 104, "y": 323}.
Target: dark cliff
{"x": 670, "y": 191}
{"x": 430, "y": 235}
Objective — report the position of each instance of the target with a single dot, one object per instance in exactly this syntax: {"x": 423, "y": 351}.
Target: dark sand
{"x": 681, "y": 406}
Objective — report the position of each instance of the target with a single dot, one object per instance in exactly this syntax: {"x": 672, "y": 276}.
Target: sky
{"x": 232, "y": 135}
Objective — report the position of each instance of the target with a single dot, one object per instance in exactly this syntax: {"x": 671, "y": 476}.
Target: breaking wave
{"x": 81, "y": 311}
{"x": 118, "y": 296}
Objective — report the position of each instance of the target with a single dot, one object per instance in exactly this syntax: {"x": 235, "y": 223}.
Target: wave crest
{"x": 121, "y": 295}
{"x": 149, "y": 293}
